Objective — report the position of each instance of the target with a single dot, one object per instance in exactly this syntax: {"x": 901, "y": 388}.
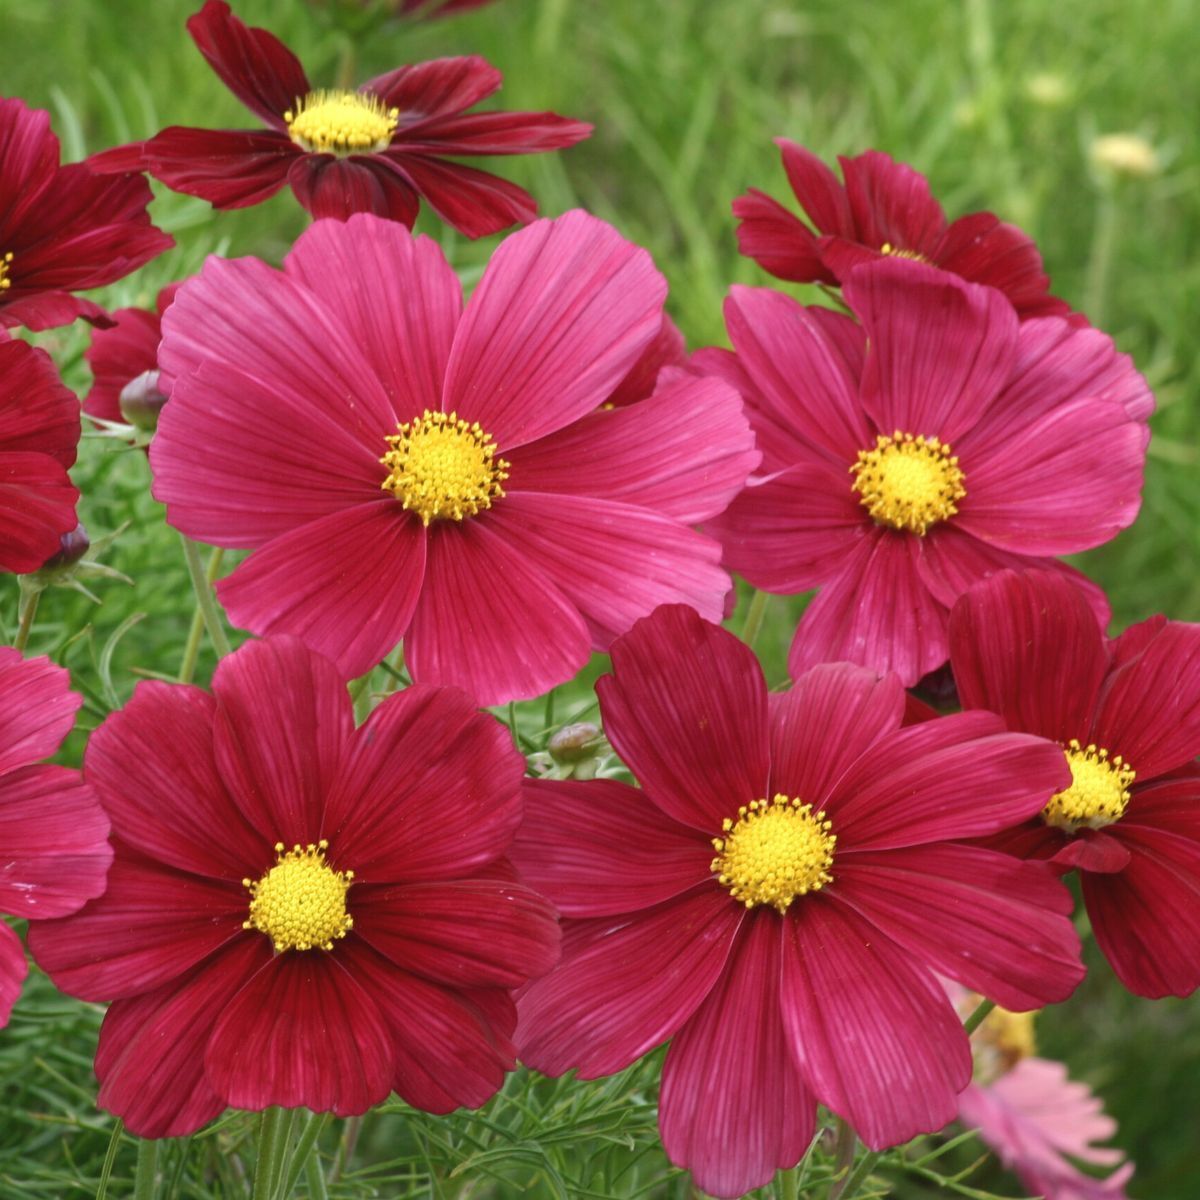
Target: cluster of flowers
{"x": 284, "y": 909}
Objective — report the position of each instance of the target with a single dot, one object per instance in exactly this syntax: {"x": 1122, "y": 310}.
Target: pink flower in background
{"x": 885, "y": 209}
{"x": 1126, "y": 714}
{"x": 797, "y": 965}
{"x": 403, "y": 468}
{"x": 378, "y": 149}
{"x": 906, "y": 457}
{"x": 53, "y": 831}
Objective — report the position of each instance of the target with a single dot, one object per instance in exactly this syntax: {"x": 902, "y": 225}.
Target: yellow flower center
{"x": 908, "y": 482}
{"x": 300, "y": 903}
{"x": 439, "y": 466}
{"x": 5, "y": 263}
{"x": 776, "y": 850}
{"x": 895, "y": 252}
{"x": 1001, "y": 1041}
{"x": 1099, "y": 791}
{"x": 337, "y": 122}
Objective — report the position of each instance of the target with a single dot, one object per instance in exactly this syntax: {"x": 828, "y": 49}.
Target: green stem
{"x": 270, "y": 1131}
{"x": 978, "y": 1017}
{"x": 147, "y": 1170}
{"x": 787, "y": 1184}
{"x": 843, "y": 1157}
{"x": 306, "y": 1152}
{"x": 114, "y": 1144}
{"x": 191, "y": 649}
{"x": 854, "y": 1181}
{"x": 314, "y": 1177}
{"x": 1104, "y": 241}
{"x": 28, "y": 610}
{"x": 754, "y": 618}
{"x": 205, "y": 601}
{"x": 350, "y": 1132}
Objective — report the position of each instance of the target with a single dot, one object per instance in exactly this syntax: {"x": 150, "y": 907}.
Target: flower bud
{"x": 1124, "y": 154}
{"x": 71, "y": 548}
{"x": 574, "y": 743}
{"x": 141, "y": 401}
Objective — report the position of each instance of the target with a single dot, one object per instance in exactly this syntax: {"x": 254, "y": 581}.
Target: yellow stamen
{"x": 908, "y": 482}
{"x": 439, "y": 466}
{"x": 1099, "y": 791}
{"x": 300, "y": 903}
{"x": 5, "y": 264}
{"x": 338, "y": 122}
{"x": 774, "y": 851}
{"x": 895, "y": 252}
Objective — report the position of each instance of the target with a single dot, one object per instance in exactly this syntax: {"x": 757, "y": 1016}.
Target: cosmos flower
{"x": 765, "y": 902}
{"x": 53, "y": 830}
{"x": 39, "y": 433}
{"x": 885, "y": 209}
{"x": 907, "y": 457}
{"x": 1126, "y": 715}
{"x": 403, "y": 468}
{"x": 300, "y": 913}
{"x": 62, "y": 229}
{"x": 666, "y": 350}
{"x": 379, "y": 149}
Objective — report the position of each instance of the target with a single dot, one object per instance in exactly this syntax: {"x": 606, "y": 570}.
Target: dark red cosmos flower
{"x": 122, "y": 353}
{"x": 52, "y": 828}
{"x": 884, "y": 208}
{"x": 798, "y": 964}
{"x": 39, "y": 433}
{"x": 62, "y": 229}
{"x": 301, "y": 913}
{"x": 1126, "y": 712}
{"x": 378, "y": 149}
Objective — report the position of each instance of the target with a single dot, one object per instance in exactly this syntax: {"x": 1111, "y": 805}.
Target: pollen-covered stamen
{"x": 339, "y": 122}
{"x": 774, "y": 851}
{"x": 896, "y": 252}
{"x": 907, "y": 482}
{"x": 1099, "y": 791}
{"x": 441, "y": 466}
{"x": 5, "y": 266}
{"x": 300, "y": 903}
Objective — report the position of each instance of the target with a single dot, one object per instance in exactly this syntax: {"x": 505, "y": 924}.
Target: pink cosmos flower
{"x": 906, "y": 457}
{"x": 39, "y": 433}
{"x": 62, "y": 229}
{"x": 666, "y": 350}
{"x": 301, "y": 913}
{"x": 797, "y": 965}
{"x": 380, "y": 148}
{"x": 404, "y": 468}
{"x": 1126, "y": 714}
{"x": 885, "y": 209}
{"x": 52, "y": 828}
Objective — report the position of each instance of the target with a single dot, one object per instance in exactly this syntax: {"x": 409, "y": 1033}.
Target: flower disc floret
{"x": 776, "y": 850}
{"x": 440, "y": 466}
{"x": 908, "y": 482}
{"x": 1099, "y": 791}
{"x": 5, "y": 265}
{"x": 898, "y": 252}
{"x": 341, "y": 123}
{"x": 300, "y": 903}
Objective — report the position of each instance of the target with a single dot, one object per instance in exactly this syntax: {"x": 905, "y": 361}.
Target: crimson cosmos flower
{"x": 885, "y": 208}
{"x": 52, "y": 828}
{"x": 300, "y": 913}
{"x": 39, "y": 434}
{"x": 379, "y": 149}
{"x": 1126, "y": 713}
{"x": 798, "y": 964}
{"x": 62, "y": 229}
{"x": 403, "y": 468}
{"x": 907, "y": 457}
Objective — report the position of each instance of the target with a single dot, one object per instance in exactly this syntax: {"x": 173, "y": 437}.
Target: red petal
{"x": 37, "y": 414}
{"x": 118, "y": 355}
{"x": 437, "y": 87}
{"x": 30, "y": 154}
{"x": 891, "y": 204}
{"x": 230, "y": 168}
{"x": 491, "y": 133}
{"x": 37, "y": 506}
{"x": 338, "y": 188}
{"x": 822, "y": 197}
{"x": 477, "y": 203}
{"x": 778, "y": 240}
{"x": 13, "y": 970}
{"x": 37, "y": 708}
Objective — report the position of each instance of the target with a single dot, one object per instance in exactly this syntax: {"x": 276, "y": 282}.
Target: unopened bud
{"x": 1048, "y": 90}
{"x": 574, "y": 743}
{"x": 1125, "y": 154}
{"x": 141, "y": 401}
{"x": 71, "y": 548}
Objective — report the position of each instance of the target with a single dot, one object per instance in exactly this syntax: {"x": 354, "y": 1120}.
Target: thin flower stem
{"x": 114, "y": 1144}
{"x": 843, "y": 1157}
{"x": 350, "y": 1132}
{"x": 146, "y": 1171}
{"x": 315, "y": 1179}
{"x": 270, "y": 1128}
{"x": 191, "y": 649}
{"x": 787, "y": 1184}
{"x": 205, "y": 601}
{"x": 284, "y": 1149}
{"x": 28, "y": 610}
{"x": 978, "y": 1017}
{"x": 306, "y": 1153}
{"x": 1104, "y": 241}
{"x": 855, "y": 1180}
{"x": 754, "y": 618}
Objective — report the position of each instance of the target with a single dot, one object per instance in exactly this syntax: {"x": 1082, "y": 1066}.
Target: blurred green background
{"x": 999, "y": 103}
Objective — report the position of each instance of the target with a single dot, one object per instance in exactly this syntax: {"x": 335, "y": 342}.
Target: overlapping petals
{"x": 63, "y": 229}
{"x": 906, "y": 458}
{"x": 208, "y": 795}
{"x": 413, "y": 116}
{"x": 286, "y": 386}
{"x": 1026, "y": 646}
{"x": 826, "y": 994}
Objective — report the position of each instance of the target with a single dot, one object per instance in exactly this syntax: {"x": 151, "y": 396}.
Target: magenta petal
{"x": 733, "y": 1107}
{"x": 626, "y": 983}
{"x": 13, "y": 969}
{"x": 1089, "y": 850}
{"x": 488, "y": 620}
{"x": 941, "y": 349}
{"x": 997, "y": 925}
{"x": 686, "y": 708}
{"x": 891, "y": 204}
{"x": 821, "y": 195}
{"x": 346, "y": 585}
{"x": 777, "y": 239}
{"x": 876, "y": 612}
{"x": 832, "y": 714}
{"x": 37, "y": 708}
{"x": 599, "y": 848}
{"x": 150, "y": 1057}
{"x": 283, "y": 724}
{"x": 1027, "y": 647}
{"x": 563, "y": 311}
{"x": 875, "y": 1036}
{"x": 302, "y": 1033}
